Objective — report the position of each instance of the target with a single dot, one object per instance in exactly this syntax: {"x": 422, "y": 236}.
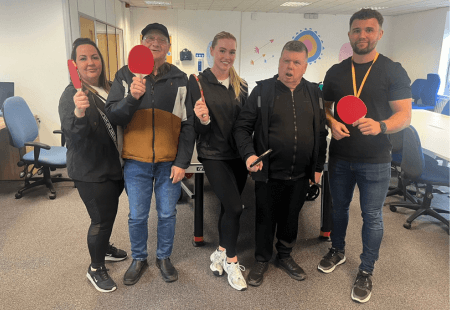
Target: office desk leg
{"x": 326, "y": 220}
{"x": 198, "y": 211}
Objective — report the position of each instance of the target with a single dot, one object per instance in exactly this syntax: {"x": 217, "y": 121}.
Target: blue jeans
{"x": 140, "y": 178}
{"x": 373, "y": 184}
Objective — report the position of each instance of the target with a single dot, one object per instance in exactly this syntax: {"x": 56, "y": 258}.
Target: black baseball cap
{"x": 156, "y": 26}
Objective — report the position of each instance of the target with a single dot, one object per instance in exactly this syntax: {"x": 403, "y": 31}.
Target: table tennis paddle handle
{"x": 260, "y": 158}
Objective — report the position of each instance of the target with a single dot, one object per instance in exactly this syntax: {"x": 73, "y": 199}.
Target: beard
{"x": 363, "y": 51}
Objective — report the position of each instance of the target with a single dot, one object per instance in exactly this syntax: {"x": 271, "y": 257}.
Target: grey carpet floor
{"x": 44, "y": 259}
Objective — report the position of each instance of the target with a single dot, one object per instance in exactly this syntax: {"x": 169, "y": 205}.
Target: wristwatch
{"x": 383, "y": 127}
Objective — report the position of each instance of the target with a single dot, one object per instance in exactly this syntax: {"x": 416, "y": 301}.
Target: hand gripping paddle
{"x": 350, "y": 109}
{"x": 260, "y": 158}
{"x": 140, "y": 61}
{"x": 74, "y": 74}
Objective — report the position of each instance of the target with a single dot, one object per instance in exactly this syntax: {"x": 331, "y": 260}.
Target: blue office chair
{"x": 422, "y": 169}
{"x": 430, "y": 90}
{"x": 416, "y": 89}
{"x": 23, "y": 131}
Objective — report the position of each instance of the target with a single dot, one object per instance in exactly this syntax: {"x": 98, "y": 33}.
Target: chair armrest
{"x": 63, "y": 137}
{"x": 37, "y": 150}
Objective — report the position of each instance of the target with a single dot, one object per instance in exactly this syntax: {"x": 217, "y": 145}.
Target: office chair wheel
{"x": 22, "y": 174}
{"x": 52, "y": 196}
{"x": 18, "y": 195}
{"x": 393, "y": 209}
{"x": 407, "y": 225}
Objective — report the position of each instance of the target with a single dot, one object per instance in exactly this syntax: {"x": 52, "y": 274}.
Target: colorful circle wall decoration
{"x": 313, "y": 42}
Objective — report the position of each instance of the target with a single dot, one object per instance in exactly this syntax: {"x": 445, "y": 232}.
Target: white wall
{"x": 33, "y": 56}
{"x": 195, "y": 29}
{"x": 36, "y": 38}
{"x": 332, "y": 29}
{"x": 445, "y": 58}
{"x": 189, "y": 29}
{"x": 417, "y": 40}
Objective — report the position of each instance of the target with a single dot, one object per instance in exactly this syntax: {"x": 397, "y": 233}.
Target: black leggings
{"x": 101, "y": 200}
{"x": 227, "y": 178}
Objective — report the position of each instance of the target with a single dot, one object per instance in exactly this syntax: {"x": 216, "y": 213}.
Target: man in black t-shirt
{"x": 360, "y": 153}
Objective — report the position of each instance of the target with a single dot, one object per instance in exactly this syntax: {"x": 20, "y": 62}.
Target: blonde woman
{"x": 224, "y": 93}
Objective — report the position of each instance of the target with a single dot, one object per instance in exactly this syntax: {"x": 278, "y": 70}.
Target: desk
{"x": 433, "y": 129}
{"x": 9, "y": 155}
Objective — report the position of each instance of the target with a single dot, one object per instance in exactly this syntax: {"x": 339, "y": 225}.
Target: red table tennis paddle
{"x": 74, "y": 74}
{"x": 201, "y": 90}
{"x": 140, "y": 61}
{"x": 350, "y": 109}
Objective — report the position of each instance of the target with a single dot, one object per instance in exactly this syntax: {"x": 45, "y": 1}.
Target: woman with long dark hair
{"x": 93, "y": 157}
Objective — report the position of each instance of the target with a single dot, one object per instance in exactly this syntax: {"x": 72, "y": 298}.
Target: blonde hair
{"x": 235, "y": 80}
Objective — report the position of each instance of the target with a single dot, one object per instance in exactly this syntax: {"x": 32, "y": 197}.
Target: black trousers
{"x": 278, "y": 204}
{"x": 227, "y": 178}
{"x": 101, "y": 200}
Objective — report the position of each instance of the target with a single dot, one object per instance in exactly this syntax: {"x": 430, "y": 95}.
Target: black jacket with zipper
{"x": 251, "y": 129}
{"x": 92, "y": 156}
{"x": 215, "y": 140}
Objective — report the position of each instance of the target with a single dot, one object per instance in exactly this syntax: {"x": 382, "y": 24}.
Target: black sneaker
{"x": 101, "y": 280}
{"x": 331, "y": 260}
{"x": 114, "y": 254}
{"x": 362, "y": 288}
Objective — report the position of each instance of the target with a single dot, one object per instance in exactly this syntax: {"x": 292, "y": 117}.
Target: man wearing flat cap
{"x": 158, "y": 142}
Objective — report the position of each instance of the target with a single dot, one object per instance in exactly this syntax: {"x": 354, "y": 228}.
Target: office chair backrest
{"x": 430, "y": 89}
{"x": 416, "y": 88}
{"x": 413, "y": 162}
{"x": 396, "y": 140}
{"x": 20, "y": 121}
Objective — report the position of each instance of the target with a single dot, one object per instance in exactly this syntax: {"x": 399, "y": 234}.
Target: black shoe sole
{"x": 298, "y": 278}
{"x": 134, "y": 281}
{"x": 254, "y": 283}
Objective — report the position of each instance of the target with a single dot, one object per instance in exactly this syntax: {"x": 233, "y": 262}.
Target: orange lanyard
{"x": 365, "y": 77}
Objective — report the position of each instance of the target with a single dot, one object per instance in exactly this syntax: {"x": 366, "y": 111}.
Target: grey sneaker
{"x": 331, "y": 260}
{"x": 217, "y": 258}
{"x": 235, "y": 277}
{"x": 101, "y": 280}
{"x": 362, "y": 288}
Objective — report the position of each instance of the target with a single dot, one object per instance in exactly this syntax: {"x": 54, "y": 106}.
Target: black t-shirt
{"x": 291, "y": 134}
{"x": 387, "y": 81}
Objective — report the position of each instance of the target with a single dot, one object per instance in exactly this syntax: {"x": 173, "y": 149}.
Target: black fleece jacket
{"x": 215, "y": 140}
{"x": 251, "y": 129}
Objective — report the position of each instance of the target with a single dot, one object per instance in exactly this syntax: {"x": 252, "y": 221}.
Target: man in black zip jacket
{"x": 284, "y": 113}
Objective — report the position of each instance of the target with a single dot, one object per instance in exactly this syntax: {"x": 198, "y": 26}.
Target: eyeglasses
{"x": 150, "y": 39}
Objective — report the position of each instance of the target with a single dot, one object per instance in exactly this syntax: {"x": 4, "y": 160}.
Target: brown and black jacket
{"x": 159, "y": 126}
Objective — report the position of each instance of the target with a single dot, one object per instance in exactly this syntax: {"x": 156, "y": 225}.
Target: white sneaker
{"x": 235, "y": 277}
{"x": 217, "y": 258}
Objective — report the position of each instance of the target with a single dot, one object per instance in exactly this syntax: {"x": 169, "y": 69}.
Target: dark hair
{"x": 102, "y": 81}
{"x": 295, "y": 46}
{"x": 364, "y": 14}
